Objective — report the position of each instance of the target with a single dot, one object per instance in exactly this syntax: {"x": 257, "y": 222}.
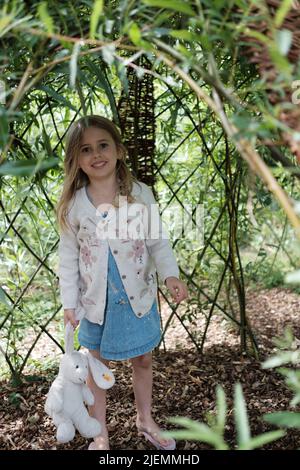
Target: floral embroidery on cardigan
{"x": 86, "y": 256}
{"x": 149, "y": 279}
{"x": 85, "y": 251}
{"x": 93, "y": 240}
{"x": 146, "y": 291}
{"x": 138, "y": 251}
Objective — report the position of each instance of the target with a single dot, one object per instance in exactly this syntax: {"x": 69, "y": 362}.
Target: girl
{"x": 109, "y": 281}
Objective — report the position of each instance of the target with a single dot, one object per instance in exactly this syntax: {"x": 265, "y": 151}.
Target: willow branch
{"x": 244, "y": 147}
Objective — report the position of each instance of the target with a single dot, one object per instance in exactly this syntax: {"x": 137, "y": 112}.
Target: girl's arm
{"x": 68, "y": 266}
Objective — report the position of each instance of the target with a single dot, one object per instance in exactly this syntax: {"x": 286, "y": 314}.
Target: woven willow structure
{"x": 137, "y": 122}
{"x": 259, "y": 54}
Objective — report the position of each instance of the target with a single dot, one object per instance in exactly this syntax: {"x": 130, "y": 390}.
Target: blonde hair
{"x": 75, "y": 178}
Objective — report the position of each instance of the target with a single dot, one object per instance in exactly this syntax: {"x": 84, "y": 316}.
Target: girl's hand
{"x": 177, "y": 288}
{"x": 69, "y": 315}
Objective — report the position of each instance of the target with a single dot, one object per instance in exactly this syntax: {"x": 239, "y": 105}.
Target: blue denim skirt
{"x": 122, "y": 335}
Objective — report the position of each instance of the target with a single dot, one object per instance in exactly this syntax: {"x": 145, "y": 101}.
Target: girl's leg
{"x": 142, "y": 387}
{"x": 98, "y": 410}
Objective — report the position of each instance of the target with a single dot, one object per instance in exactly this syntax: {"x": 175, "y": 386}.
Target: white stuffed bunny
{"x": 68, "y": 392}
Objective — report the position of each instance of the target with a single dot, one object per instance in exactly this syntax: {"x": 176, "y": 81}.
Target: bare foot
{"x": 150, "y": 426}
{"x": 100, "y": 442}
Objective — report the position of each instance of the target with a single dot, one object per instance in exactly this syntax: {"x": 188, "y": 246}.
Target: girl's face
{"x": 98, "y": 153}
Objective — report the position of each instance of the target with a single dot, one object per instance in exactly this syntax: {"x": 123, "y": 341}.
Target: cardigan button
{"x": 115, "y": 252}
{"x": 131, "y": 297}
{"x": 139, "y": 314}
{"x": 124, "y": 276}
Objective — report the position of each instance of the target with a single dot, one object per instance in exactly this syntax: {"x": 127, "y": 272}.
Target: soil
{"x": 184, "y": 382}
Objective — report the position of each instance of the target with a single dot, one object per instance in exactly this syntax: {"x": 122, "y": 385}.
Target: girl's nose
{"x": 97, "y": 152}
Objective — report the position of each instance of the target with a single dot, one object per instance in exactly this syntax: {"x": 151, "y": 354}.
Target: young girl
{"x": 109, "y": 281}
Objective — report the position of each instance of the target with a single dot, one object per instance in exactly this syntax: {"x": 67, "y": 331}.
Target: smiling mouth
{"x": 99, "y": 164}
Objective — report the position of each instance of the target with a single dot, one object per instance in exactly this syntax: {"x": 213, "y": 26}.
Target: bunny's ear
{"x": 69, "y": 338}
{"x": 102, "y": 375}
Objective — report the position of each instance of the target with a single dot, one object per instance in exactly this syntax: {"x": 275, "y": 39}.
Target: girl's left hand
{"x": 177, "y": 288}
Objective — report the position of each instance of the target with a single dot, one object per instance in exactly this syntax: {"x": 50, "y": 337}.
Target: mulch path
{"x": 184, "y": 383}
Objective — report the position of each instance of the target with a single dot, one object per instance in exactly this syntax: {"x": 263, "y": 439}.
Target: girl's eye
{"x": 87, "y": 149}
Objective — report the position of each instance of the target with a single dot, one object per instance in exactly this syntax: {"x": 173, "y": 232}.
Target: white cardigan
{"x": 83, "y": 254}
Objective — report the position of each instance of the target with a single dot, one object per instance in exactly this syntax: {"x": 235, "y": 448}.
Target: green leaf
{"x": 135, "y": 34}
{"x": 171, "y": 5}
{"x": 103, "y": 83}
{"x": 240, "y": 416}
{"x": 122, "y": 75}
{"x": 262, "y": 439}
{"x": 281, "y": 62}
{"x": 221, "y": 410}
{"x": 73, "y": 64}
{"x": 293, "y": 277}
{"x": 108, "y": 53}
{"x": 47, "y": 143}
{"x": 183, "y": 34}
{"x": 45, "y": 17}
{"x": 4, "y": 129}
{"x": 56, "y": 96}
{"x": 286, "y": 419}
{"x": 259, "y": 36}
{"x": 286, "y": 340}
{"x": 3, "y": 298}
{"x": 195, "y": 431}
{"x": 26, "y": 167}
{"x": 282, "y": 12}
{"x": 283, "y": 357}
{"x": 4, "y": 22}
{"x": 283, "y": 40}
{"x": 96, "y": 13}
{"x": 2, "y": 92}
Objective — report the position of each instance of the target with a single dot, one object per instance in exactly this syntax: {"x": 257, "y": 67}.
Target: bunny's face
{"x": 74, "y": 367}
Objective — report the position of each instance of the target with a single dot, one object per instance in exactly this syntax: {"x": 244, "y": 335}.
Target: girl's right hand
{"x": 69, "y": 316}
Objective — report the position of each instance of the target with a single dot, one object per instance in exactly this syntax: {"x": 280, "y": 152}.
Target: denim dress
{"x": 122, "y": 335}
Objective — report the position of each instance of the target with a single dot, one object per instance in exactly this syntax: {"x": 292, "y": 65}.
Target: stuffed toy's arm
{"x": 88, "y": 397}
{"x": 55, "y": 399}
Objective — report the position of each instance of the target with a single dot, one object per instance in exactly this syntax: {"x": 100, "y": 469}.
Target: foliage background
{"x": 60, "y": 61}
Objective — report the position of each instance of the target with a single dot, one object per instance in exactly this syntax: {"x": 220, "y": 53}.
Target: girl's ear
{"x": 102, "y": 375}
{"x": 69, "y": 338}
{"x": 121, "y": 152}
